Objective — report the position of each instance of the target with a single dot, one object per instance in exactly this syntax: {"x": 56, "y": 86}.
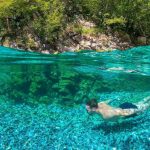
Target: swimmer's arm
{"x": 106, "y": 101}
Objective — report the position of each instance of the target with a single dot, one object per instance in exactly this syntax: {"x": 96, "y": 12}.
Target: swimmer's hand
{"x": 88, "y": 108}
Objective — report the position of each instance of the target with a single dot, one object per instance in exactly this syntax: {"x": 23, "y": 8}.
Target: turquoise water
{"x": 43, "y": 99}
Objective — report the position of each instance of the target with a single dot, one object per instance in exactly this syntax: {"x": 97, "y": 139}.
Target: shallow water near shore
{"x": 43, "y": 99}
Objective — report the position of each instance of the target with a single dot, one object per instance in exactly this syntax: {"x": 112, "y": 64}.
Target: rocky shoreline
{"x": 101, "y": 43}
{"x": 74, "y": 41}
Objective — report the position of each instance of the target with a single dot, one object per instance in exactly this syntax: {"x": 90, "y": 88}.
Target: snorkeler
{"x": 123, "y": 111}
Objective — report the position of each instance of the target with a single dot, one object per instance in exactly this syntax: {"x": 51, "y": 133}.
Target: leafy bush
{"x": 39, "y": 17}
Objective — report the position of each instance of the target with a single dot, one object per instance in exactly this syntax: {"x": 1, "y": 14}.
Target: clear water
{"x": 43, "y": 99}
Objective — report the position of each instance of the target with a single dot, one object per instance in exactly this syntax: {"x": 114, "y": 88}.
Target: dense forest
{"x": 49, "y": 21}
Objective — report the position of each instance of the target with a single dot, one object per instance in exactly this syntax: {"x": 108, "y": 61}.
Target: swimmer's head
{"x": 92, "y": 104}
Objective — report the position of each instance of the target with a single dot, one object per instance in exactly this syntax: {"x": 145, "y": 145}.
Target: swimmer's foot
{"x": 146, "y": 99}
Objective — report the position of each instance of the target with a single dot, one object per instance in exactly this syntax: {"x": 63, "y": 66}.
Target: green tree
{"x": 43, "y": 18}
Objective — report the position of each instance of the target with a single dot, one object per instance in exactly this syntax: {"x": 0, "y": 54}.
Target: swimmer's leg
{"x": 147, "y": 99}
{"x": 143, "y": 106}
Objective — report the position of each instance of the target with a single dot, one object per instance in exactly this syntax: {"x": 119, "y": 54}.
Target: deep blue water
{"x": 43, "y": 99}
